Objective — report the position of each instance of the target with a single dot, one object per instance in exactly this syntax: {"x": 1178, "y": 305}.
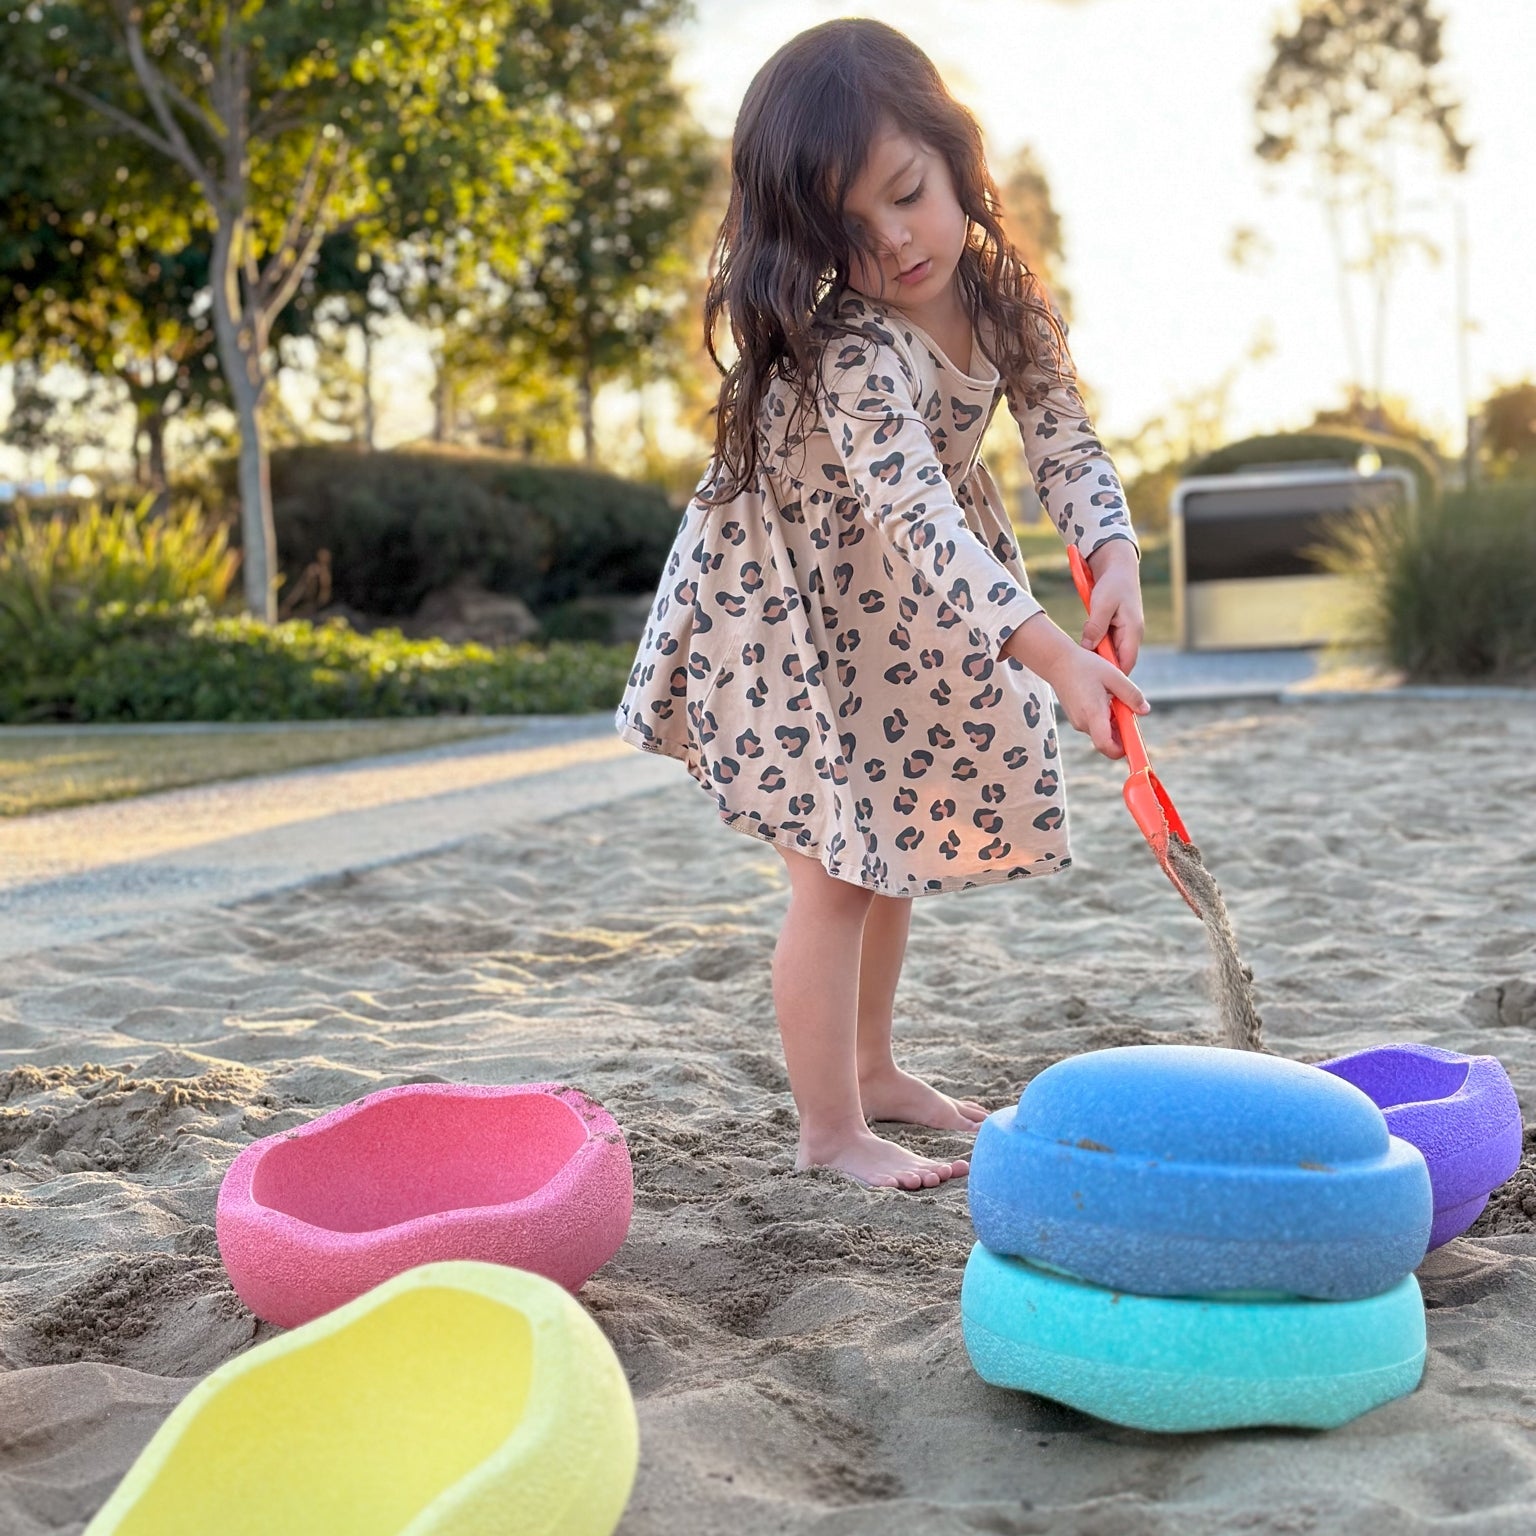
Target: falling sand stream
{"x": 1241, "y": 1026}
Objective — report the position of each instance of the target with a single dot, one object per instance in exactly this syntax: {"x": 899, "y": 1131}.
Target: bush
{"x": 1452, "y": 591}
{"x": 180, "y": 661}
{"x": 1337, "y": 445}
{"x": 79, "y": 559}
{"x": 1148, "y": 497}
{"x": 579, "y": 619}
{"x": 404, "y": 523}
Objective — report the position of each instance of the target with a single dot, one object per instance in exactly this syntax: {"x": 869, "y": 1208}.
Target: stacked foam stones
{"x": 1182, "y": 1238}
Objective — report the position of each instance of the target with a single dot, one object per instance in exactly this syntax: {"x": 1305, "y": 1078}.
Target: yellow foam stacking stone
{"x": 457, "y": 1399}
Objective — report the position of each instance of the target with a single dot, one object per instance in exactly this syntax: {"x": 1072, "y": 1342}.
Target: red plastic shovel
{"x": 1145, "y": 797}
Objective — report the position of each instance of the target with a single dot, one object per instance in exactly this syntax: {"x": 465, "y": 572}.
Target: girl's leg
{"x": 815, "y": 993}
{"x": 886, "y": 1092}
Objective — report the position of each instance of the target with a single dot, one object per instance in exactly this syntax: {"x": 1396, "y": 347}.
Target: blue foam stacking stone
{"x": 1189, "y": 1363}
{"x": 1459, "y": 1111}
{"x": 1192, "y": 1170}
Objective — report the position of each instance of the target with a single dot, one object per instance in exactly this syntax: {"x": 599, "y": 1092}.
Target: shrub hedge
{"x": 181, "y": 661}
{"x": 113, "y": 616}
{"x": 403, "y": 523}
{"x": 81, "y": 557}
{"x": 1452, "y": 590}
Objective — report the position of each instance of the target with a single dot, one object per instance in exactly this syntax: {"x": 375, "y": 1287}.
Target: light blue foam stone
{"x": 1190, "y": 1170}
{"x": 1179, "y": 1364}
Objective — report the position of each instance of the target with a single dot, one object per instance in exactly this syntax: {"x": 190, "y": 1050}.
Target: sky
{"x": 1140, "y": 112}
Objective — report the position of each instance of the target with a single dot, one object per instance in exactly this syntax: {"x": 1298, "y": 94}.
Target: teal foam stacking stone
{"x": 1191, "y": 1170}
{"x": 1179, "y": 1364}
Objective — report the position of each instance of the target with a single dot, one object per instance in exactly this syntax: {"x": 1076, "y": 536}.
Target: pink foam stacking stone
{"x": 535, "y": 1176}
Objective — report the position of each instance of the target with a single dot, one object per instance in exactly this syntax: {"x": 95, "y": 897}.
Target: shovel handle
{"x": 1120, "y": 711}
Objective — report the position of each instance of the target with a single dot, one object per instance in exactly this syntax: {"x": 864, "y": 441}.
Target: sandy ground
{"x": 793, "y": 1341}
{"x": 74, "y": 875}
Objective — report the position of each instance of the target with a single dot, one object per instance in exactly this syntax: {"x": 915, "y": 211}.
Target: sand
{"x": 793, "y": 1341}
{"x": 1231, "y": 981}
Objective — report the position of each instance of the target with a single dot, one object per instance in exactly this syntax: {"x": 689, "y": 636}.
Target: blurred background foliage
{"x": 1451, "y": 590}
{"x": 536, "y": 199}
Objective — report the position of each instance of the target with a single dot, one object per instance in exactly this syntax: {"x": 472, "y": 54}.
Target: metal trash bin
{"x": 1243, "y": 577}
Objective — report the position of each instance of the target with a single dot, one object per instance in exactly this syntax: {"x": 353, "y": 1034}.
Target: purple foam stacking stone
{"x": 1459, "y": 1111}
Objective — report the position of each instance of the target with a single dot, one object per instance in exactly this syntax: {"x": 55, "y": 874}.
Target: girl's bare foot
{"x": 896, "y": 1095}
{"x": 878, "y": 1163}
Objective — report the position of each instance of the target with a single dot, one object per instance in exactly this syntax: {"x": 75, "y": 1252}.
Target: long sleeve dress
{"x": 822, "y": 652}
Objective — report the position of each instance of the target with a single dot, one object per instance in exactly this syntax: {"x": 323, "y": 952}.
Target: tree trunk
{"x": 258, "y": 535}
{"x": 369, "y": 423}
{"x": 1384, "y": 245}
{"x": 584, "y": 391}
{"x": 242, "y": 356}
{"x": 150, "y": 422}
{"x": 159, "y": 477}
{"x": 1346, "y": 307}
{"x": 442, "y": 398}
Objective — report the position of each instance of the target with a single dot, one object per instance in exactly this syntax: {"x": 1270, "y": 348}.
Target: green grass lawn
{"x": 45, "y": 769}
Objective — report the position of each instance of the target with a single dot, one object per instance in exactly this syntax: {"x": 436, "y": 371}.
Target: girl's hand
{"x": 1116, "y": 607}
{"x": 1083, "y": 682}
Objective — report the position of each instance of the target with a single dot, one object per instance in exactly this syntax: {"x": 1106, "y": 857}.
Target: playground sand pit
{"x": 793, "y": 1342}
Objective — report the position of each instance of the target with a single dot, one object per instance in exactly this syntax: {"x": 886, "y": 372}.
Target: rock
{"x": 629, "y": 612}
{"x": 353, "y": 618}
{"x": 466, "y": 611}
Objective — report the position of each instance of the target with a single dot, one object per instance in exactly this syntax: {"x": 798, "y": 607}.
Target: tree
{"x": 88, "y": 294}
{"x": 59, "y": 418}
{"x": 291, "y": 121}
{"x": 1385, "y": 414}
{"x": 1351, "y": 85}
{"x": 1508, "y": 430}
{"x": 344, "y": 293}
{"x": 599, "y": 297}
{"x": 86, "y": 287}
{"x": 679, "y": 358}
{"x": 1033, "y": 224}
{"x": 1152, "y": 459}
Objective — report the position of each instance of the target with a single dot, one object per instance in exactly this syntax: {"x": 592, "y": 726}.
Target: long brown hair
{"x": 781, "y": 259}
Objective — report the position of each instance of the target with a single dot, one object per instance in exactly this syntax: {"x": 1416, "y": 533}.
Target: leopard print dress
{"x": 822, "y": 652}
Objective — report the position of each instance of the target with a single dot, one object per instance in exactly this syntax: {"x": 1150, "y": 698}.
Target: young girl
{"x": 843, "y": 649}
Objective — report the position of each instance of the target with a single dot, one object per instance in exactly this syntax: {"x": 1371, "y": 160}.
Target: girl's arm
{"x": 1073, "y": 474}
{"x": 1077, "y": 484}
{"x": 887, "y": 459}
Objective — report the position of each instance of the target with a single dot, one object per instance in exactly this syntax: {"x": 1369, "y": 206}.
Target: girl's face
{"x": 904, "y": 199}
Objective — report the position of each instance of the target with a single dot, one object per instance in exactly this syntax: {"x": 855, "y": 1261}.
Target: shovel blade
{"x": 1153, "y": 813}
{"x": 1170, "y": 816}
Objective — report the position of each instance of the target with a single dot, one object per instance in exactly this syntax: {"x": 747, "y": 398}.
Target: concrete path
{"x": 1171, "y": 676}
{"x": 98, "y": 869}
